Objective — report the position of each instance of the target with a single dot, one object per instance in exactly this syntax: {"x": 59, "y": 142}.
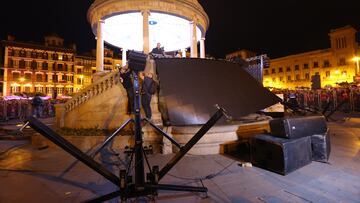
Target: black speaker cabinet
{"x": 298, "y": 126}
{"x": 321, "y": 147}
{"x": 280, "y": 155}
{"x": 315, "y": 82}
{"x": 137, "y": 61}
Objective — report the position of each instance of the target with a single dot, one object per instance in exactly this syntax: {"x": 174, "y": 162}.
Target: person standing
{"x": 148, "y": 88}
{"x": 37, "y": 103}
{"x": 125, "y": 75}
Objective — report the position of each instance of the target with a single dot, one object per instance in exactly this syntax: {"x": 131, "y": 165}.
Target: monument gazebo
{"x": 140, "y": 24}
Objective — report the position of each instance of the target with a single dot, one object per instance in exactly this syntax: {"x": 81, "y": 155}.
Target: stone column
{"x": 202, "y": 48}
{"x": 100, "y": 47}
{"x": 146, "y": 45}
{"x": 124, "y": 57}
{"x": 193, "y": 40}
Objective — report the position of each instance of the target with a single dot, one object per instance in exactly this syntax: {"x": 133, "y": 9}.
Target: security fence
{"x": 346, "y": 100}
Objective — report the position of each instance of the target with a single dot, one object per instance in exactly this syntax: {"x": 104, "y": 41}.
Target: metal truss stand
{"x": 140, "y": 187}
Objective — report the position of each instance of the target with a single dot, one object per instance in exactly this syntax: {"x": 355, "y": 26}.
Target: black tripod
{"x": 140, "y": 187}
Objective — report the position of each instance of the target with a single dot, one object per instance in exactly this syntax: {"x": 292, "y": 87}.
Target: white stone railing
{"x": 97, "y": 88}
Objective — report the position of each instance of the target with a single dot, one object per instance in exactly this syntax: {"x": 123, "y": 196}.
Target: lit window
{"x": 60, "y": 58}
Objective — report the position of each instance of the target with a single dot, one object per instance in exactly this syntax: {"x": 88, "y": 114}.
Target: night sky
{"x": 278, "y": 28}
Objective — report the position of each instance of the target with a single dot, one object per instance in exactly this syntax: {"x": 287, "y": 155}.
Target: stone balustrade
{"x": 97, "y": 88}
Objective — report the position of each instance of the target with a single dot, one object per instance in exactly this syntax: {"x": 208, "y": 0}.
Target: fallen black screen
{"x": 191, "y": 87}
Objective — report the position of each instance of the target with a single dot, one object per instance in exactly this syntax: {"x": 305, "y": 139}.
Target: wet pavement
{"x": 28, "y": 174}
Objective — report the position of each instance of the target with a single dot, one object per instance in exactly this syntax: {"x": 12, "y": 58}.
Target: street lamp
{"x": 357, "y": 59}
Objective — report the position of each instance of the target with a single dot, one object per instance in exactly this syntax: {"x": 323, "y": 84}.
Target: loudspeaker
{"x": 137, "y": 61}
{"x": 280, "y": 155}
{"x": 315, "y": 82}
{"x": 298, "y": 126}
{"x": 321, "y": 147}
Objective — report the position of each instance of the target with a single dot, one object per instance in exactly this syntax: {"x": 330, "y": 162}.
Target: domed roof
{"x": 122, "y": 17}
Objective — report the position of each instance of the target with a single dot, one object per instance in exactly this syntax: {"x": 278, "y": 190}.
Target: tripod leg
{"x": 203, "y": 130}
{"x": 71, "y": 149}
{"x": 111, "y": 137}
{"x": 163, "y": 133}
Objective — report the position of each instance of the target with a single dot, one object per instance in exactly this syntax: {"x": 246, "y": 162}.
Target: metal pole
{"x": 139, "y": 159}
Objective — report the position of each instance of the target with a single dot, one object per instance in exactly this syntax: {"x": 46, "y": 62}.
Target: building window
{"x": 22, "y": 53}
{"x": 288, "y": 69}
{"x": 16, "y": 75}
{"x": 60, "y": 57}
{"x": 28, "y": 76}
{"x": 79, "y": 81}
{"x": 54, "y": 56}
{"x": 49, "y": 90}
{"x": 273, "y": 70}
{"x": 27, "y": 89}
{"x": 307, "y": 76}
{"x": 306, "y": 66}
{"x": 297, "y": 77}
{"x": 11, "y": 52}
{"x": 34, "y": 54}
{"x": 66, "y": 67}
{"x": 266, "y": 72}
{"x": 38, "y": 77}
{"x": 22, "y": 63}
{"x": 289, "y": 78}
{"x": 45, "y": 56}
{"x": 54, "y": 78}
{"x": 33, "y": 65}
{"x": 63, "y": 78}
{"x": 78, "y": 71}
{"x": 316, "y": 64}
{"x": 327, "y": 74}
{"x": 280, "y": 70}
{"x": 281, "y": 79}
{"x": 326, "y": 63}
{"x": 47, "y": 78}
{"x": 342, "y": 62}
{"x": 39, "y": 89}
{"x": 60, "y": 90}
{"x": 297, "y": 67}
{"x": 11, "y": 63}
{"x": 60, "y": 67}
{"x": 44, "y": 65}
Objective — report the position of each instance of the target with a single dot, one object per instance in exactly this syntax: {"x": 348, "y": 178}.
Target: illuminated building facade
{"x": 31, "y": 67}
{"x": 85, "y": 67}
{"x": 335, "y": 65}
{"x": 47, "y": 68}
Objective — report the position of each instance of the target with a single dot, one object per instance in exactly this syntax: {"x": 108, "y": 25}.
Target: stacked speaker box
{"x": 291, "y": 144}
{"x": 280, "y": 155}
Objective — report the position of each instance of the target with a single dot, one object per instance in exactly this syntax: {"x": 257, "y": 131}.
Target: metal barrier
{"x": 327, "y": 100}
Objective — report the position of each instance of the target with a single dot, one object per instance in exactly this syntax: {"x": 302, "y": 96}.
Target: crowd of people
{"x": 342, "y": 99}
{"x": 23, "y": 107}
